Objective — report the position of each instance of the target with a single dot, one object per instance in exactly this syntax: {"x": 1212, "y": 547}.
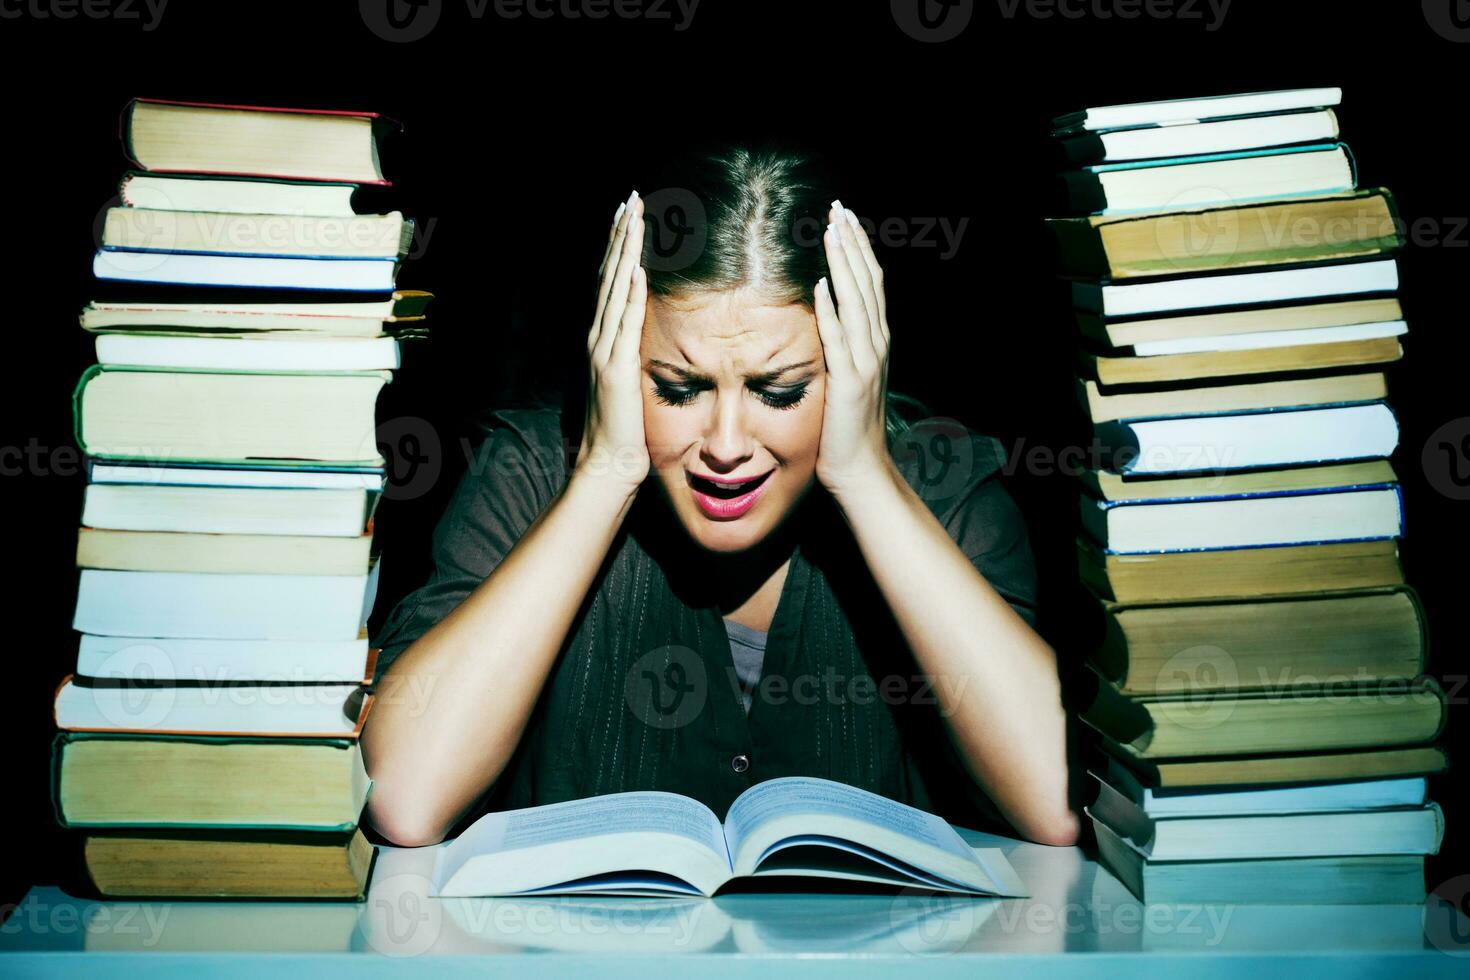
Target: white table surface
{"x": 1079, "y": 921}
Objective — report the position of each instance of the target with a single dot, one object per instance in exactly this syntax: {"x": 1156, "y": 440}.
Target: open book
{"x": 655, "y": 843}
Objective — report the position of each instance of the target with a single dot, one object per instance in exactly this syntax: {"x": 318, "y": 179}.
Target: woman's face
{"x": 733, "y": 392}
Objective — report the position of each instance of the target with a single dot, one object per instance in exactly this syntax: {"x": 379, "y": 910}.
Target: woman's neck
{"x": 748, "y": 584}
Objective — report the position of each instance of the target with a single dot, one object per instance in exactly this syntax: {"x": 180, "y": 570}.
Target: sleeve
{"x": 958, "y": 472}
{"x": 513, "y": 475}
{"x": 990, "y": 530}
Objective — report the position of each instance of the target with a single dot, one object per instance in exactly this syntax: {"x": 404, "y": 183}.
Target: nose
{"x": 727, "y": 443}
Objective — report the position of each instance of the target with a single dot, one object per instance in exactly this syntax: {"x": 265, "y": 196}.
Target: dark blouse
{"x": 644, "y": 694}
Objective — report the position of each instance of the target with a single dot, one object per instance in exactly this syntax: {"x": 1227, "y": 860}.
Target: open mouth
{"x": 726, "y": 489}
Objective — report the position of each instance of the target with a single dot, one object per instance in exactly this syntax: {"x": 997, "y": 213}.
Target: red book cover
{"x": 380, "y": 123}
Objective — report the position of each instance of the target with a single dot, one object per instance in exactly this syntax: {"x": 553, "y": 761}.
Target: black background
{"x": 521, "y": 136}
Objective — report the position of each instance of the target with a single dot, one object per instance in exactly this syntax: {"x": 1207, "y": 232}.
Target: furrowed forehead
{"x": 722, "y": 320}
{"x": 700, "y": 336}
{"x": 684, "y": 370}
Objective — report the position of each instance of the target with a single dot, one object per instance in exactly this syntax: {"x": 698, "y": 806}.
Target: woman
{"x": 792, "y": 596}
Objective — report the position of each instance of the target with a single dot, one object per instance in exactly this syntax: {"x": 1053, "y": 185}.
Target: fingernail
{"x": 621, "y": 208}
{"x": 837, "y": 205}
{"x": 852, "y": 217}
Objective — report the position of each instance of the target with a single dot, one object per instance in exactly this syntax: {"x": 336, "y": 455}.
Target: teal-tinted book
{"x": 1191, "y": 183}
{"x": 193, "y": 863}
{"x": 107, "y": 779}
{"x": 173, "y": 415}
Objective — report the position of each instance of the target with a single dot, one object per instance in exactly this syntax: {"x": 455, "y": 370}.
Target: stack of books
{"x": 248, "y": 320}
{"x": 1265, "y": 722}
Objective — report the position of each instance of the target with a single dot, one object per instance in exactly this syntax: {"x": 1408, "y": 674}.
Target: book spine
{"x": 1396, "y": 221}
{"x": 372, "y": 668}
{"x": 58, "y": 745}
{"x": 1352, "y": 162}
{"x": 1081, "y": 192}
{"x": 76, "y": 405}
{"x": 1432, "y": 686}
{"x": 125, "y": 133}
{"x": 1419, "y": 614}
{"x": 56, "y": 699}
{"x": 1080, "y": 249}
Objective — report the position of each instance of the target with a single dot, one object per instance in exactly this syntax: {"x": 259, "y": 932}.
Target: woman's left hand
{"x": 854, "y": 448}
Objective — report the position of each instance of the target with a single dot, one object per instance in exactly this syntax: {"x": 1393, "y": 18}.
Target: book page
{"x": 798, "y": 794}
{"x": 817, "y": 855}
{"x": 667, "y": 813}
{"x": 538, "y": 847}
{"x": 823, "y": 826}
{"x": 620, "y": 883}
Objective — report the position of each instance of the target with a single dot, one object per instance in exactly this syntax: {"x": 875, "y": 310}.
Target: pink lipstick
{"x": 727, "y": 499}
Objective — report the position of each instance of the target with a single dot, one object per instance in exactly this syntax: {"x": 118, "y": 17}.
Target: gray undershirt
{"x": 748, "y": 648}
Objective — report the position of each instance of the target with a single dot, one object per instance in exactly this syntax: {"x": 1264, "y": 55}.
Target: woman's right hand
{"x": 614, "y": 448}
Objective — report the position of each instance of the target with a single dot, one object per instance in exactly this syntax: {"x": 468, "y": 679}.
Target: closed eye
{"x": 779, "y": 397}
{"x": 788, "y": 396}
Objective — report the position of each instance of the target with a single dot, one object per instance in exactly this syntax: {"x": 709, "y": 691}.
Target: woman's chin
{"x": 724, "y": 537}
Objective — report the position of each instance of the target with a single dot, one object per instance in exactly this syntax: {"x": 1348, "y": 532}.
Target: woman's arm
{"x": 452, "y": 708}
{"x": 995, "y": 678}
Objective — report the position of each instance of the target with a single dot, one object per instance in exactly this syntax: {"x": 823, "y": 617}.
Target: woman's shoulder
{"x": 945, "y": 461}
{"x": 959, "y": 472}
{"x": 521, "y": 443}
{"x": 537, "y": 426}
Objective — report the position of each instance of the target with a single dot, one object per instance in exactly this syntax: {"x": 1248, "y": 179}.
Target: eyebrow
{"x": 763, "y": 376}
